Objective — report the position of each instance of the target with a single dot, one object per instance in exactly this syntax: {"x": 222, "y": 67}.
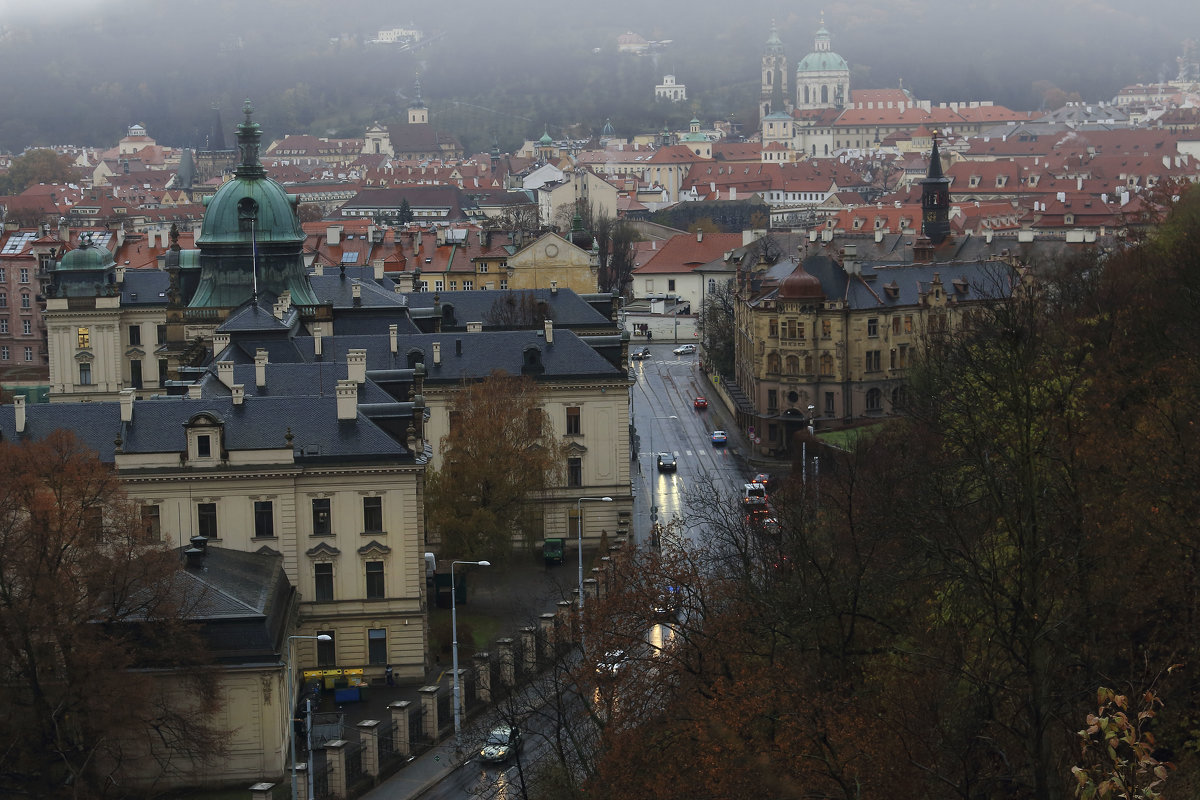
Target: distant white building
{"x": 399, "y": 35}
{"x": 671, "y": 90}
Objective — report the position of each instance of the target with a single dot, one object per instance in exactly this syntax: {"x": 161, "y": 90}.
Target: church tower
{"x": 773, "y": 95}
{"x": 935, "y": 199}
{"x": 418, "y": 114}
{"x": 822, "y": 76}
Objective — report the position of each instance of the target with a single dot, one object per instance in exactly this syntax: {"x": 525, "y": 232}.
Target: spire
{"x": 216, "y": 137}
{"x": 249, "y": 136}
{"x": 935, "y": 161}
{"x": 935, "y": 199}
{"x": 417, "y": 101}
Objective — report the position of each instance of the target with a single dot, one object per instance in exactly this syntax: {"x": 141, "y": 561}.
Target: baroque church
{"x": 821, "y": 80}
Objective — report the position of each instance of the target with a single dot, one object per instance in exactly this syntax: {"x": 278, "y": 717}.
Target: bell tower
{"x": 418, "y": 114}
{"x": 773, "y": 94}
{"x": 935, "y": 199}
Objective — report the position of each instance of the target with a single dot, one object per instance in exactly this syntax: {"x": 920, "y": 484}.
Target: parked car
{"x": 684, "y": 349}
{"x": 719, "y": 437}
{"x": 666, "y": 462}
{"x": 638, "y": 355}
{"x": 501, "y": 743}
{"x": 700, "y": 403}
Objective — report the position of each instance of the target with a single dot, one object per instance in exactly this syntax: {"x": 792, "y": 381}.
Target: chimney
{"x": 356, "y": 365}
{"x": 699, "y": 236}
{"x": 126, "y": 398}
{"x": 225, "y": 372}
{"x": 733, "y": 193}
{"x": 239, "y": 393}
{"x": 260, "y": 368}
{"x": 19, "y": 412}
{"x": 194, "y": 392}
{"x": 356, "y": 292}
{"x": 333, "y": 235}
{"x": 347, "y": 400}
{"x": 316, "y": 332}
{"x": 437, "y": 354}
{"x": 549, "y": 324}
{"x": 377, "y": 265}
{"x": 393, "y": 340}
{"x": 200, "y": 543}
{"x": 120, "y": 270}
{"x": 64, "y": 231}
{"x": 195, "y": 558}
{"x": 553, "y": 287}
{"x": 220, "y": 343}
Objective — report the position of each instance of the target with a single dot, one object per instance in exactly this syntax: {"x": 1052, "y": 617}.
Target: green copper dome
{"x": 251, "y": 205}
{"x": 251, "y": 243}
{"x": 86, "y": 257}
{"x": 545, "y": 140}
{"x": 822, "y": 62}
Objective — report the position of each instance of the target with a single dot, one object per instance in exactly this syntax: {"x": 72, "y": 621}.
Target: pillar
{"x": 368, "y": 735}
{"x": 483, "y": 677}
{"x": 335, "y": 759}
{"x": 508, "y": 675}
{"x": 562, "y": 620}
{"x": 302, "y": 781}
{"x": 529, "y": 655}
{"x": 429, "y": 712}
{"x": 605, "y": 575}
{"x": 546, "y": 630}
{"x": 400, "y": 734}
{"x": 261, "y": 791}
{"x": 590, "y": 589}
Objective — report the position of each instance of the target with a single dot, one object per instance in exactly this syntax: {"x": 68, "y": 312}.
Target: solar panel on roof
{"x": 349, "y": 258}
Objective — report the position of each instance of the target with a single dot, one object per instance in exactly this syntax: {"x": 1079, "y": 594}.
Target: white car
{"x": 684, "y": 349}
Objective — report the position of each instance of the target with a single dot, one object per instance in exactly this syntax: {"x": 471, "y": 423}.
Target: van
{"x": 430, "y": 567}
{"x": 754, "y": 494}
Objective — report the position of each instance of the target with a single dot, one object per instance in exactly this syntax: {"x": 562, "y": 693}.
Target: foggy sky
{"x": 103, "y": 64}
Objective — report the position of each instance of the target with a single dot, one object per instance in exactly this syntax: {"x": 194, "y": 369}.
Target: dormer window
{"x": 247, "y": 211}
{"x": 204, "y": 437}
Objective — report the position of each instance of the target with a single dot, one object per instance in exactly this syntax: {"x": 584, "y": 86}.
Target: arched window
{"x": 874, "y": 400}
{"x": 824, "y": 94}
{"x": 899, "y": 398}
{"x": 826, "y": 364}
{"x": 808, "y": 364}
{"x": 806, "y": 100}
{"x": 773, "y": 363}
{"x": 793, "y": 365}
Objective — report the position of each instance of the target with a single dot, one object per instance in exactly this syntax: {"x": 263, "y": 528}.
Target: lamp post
{"x": 654, "y": 477}
{"x": 579, "y": 523}
{"x": 454, "y": 648}
{"x": 323, "y": 637}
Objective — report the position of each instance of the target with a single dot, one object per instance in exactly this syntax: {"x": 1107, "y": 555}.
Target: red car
{"x": 700, "y": 403}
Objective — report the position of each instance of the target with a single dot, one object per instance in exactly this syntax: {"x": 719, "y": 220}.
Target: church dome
{"x": 545, "y": 141}
{"x": 822, "y": 62}
{"x": 800, "y": 285}
{"x": 251, "y": 207}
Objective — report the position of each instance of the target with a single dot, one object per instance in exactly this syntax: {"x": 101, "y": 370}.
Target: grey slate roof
{"x": 567, "y": 309}
{"x": 145, "y": 287}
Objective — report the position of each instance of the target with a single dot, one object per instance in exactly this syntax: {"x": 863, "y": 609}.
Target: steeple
{"x": 249, "y": 136}
{"x": 418, "y": 114}
{"x": 935, "y": 199}
{"x": 773, "y": 94}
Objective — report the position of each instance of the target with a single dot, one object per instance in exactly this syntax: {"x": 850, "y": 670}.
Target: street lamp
{"x": 323, "y": 637}
{"x": 454, "y": 647}
{"x": 579, "y": 524}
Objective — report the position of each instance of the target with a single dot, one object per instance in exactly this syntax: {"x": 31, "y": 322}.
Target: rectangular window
{"x": 872, "y": 361}
{"x": 160, "y": 334}
{"x": 204, "y": 446}
{"x": 574, "y": 472}
{"x": 3, "y": 299}
{"x": 264, "y": 518}
{"x": 327, "y": 650}
{"x": 29, "y": 354}
{"x": 151, "y": 521}
{"x": 829, "y": 412}
{"x": 206, "y": 520}
{"x": 323, "y": 575}
{"x": 3, "y": 326}
{"x": 373, "y": 514}
{"x": 773, "y": 328}
{"x": 25, "y": 300}
{"x": 908, "y": 323}
{"x": 163, "y": 371}
{"x": 826, "y": 329}
{"x": 503, "y": 283}
{"x": 438, "y": 286}
{"x": 135, "y": 373}
{"x": 468, "y": 285}
{"x": 85, "y": 374}
{"x": 573, "y": 428}
{"x": 26, "y": 327}
{"x": 4, "y": 353}
{"x": 321, "y": 517}
{"x": 453, "y": 285}
{"x": 375, "y": 589}
{"x": 377, "y": 646}
{"x": 573, "y": 522}
{"x": 791, "y": 329}
{"x": 24, "y": 275}
{"x": 135, "y": 335}
{"x": 772, "y": 400}
{"x": 873, "y": 326}
{"x": 896, "y": 325}
{"x": 670, "y": 284}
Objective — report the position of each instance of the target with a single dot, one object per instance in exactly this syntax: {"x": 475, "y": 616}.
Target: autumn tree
{"x": 715, "y": 324}
{"x": 100, "y": 670}
{"x": 35, "y": 166}
{"x": 517, "y": 310}
{"x": 309, "y": 212}
{"x": 500, "y": 454}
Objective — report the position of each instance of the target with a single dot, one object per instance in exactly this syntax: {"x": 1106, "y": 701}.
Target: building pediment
{"x": 267, "y": 550}
{"x": 575, "y": 449}
{"x": 323, "y": 550}
{"x": 374, "y": 548}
